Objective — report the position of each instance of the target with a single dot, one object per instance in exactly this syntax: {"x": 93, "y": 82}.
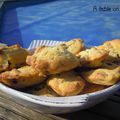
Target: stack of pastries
{"x": 66, "y": 69}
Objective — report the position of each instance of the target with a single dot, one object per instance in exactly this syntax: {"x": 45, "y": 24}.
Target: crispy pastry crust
{"x": 66, "y": 84}
{"x": 74, "y": 46}
{"x": 43, "y": 90}
{"x": 23, "y": 77}
{"x": 92, "y": 57}
{"x": 12, "y": 57}
{"x": 52, "y": 60}
{"x": 113, "y": 48}
{"x": 102, "y": 76}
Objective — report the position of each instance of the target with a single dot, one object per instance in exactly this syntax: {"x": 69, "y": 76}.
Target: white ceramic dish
{"x": 57, "y": 104}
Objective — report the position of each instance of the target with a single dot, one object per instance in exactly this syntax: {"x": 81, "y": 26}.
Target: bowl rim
{"x": 51, "y": 101}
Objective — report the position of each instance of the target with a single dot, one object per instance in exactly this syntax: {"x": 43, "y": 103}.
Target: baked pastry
{"x": 102, "y": 76}
{"x": 52, "y": 60}
{"x": 113, "y": 48}
{"x": 12, "y": 57}
{"x": 4, "y": 65}
{"x": 43, "y": 90}
{"x": 66, "y": 84}
{"x": 23, "y": 77}
{"x": 3, "y": 46}
{"x": 74, "y": 46}
{"x": 92, "y": 57}
{"x": 90, "y": 88}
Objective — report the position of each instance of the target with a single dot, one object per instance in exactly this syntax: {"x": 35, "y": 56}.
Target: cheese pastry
{"x": 12, "y": 57}
{"x": 92, "y": 57}
{"x": 43, "y": 90}
{"x": 52, "y": 60}
{"x": 102, "y": 76}
{"x": 74, "y": 46}
{"x": 66, "y": 84}
{"x": 23, "y": 77}
{"x": 113, "y": 48}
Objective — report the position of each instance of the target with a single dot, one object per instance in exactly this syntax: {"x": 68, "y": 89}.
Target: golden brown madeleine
{"x": 12, "y": 57}
{"x": 23, "y": 77}
{"x": 52, "y": 60}
{"x": 90, "y": 88}
{"x": 113, "y": 48}
{"x": 66, "y": 84}
{"x": 43, "y": 90}
{"x": 102, "y": 76}
{"x": 74, "y": 46}
{"x": 92, "y": 57}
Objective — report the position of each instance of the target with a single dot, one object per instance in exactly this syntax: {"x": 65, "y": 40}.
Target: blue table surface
{"x": 25, "y": 21}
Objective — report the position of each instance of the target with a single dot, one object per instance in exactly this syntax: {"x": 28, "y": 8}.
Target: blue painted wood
{"x": 60, "y": 20}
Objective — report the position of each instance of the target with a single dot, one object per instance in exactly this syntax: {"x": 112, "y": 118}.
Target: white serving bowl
{"x": 57, "y": 104}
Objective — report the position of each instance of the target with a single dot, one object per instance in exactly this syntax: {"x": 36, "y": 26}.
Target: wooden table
{"x": 109, "y": 109}
{"x": 10, "y": 110}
